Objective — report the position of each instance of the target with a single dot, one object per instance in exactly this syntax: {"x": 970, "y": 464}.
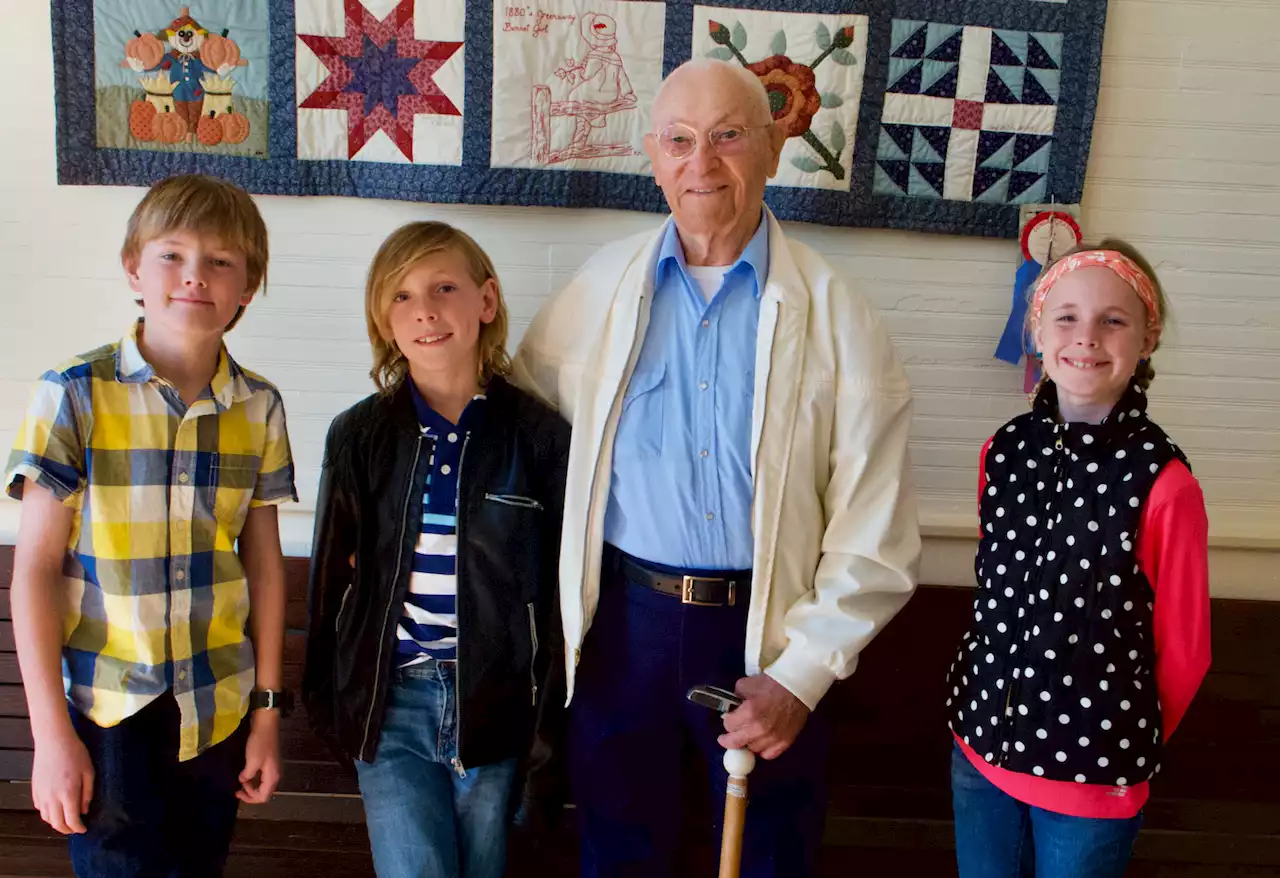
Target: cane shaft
{"x": 735, "y": 818}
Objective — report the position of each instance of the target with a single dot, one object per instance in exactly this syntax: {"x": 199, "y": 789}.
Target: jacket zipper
{"x": 342, "y": 606}
{"x": 514, "y": 500}
{"x": 391, "y": 599}
{"x": 533, "y": 654}
{"x": 458, "y": 767}
{"x": 1006, "y": 721}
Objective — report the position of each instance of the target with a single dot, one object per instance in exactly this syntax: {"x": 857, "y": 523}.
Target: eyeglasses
{"x": 680, "y": 141}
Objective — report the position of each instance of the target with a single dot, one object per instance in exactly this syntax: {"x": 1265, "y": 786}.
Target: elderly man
{"x": 738, "y": 509}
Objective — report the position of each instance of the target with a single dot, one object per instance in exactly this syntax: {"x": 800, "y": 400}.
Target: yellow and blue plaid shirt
{"x": 156, "y": 597}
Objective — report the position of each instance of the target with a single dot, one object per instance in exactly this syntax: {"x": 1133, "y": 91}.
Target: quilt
{"x": 933, "y": 115}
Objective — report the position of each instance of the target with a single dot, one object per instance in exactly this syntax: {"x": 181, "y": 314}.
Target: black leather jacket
{"x": 510, "y": 645}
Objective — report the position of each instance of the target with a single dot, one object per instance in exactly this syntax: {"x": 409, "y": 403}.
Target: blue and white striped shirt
{"x": 429, "y": 625}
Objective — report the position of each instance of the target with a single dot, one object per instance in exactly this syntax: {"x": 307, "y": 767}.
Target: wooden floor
{"x": 282, "y": 849}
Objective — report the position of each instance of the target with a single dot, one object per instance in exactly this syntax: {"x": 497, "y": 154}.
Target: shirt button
{"x": 183, "y": 477}
{"x": 703, "y": 453}
{"x": 446, "y": 469}
{"x": 702, "y": 386}
{"x": 711, "y": 516}
{"x": 453, "y": 437}
{"x": 706, "y": 323}
{"x": 181, "y": 575}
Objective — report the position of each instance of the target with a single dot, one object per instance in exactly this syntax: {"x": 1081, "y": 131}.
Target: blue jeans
{"x": 427, "y": 814}
{"x": 151, "y": 815}
{"x": 998, "y": 836}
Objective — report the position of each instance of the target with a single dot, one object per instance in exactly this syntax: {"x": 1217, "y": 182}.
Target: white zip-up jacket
{"x": 836, "y": 542}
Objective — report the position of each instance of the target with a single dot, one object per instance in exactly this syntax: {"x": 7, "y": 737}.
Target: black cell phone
{"x": 719, "y": 700}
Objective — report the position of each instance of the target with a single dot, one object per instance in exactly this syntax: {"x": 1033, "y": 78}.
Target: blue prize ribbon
{"x": 1012, "y": 341}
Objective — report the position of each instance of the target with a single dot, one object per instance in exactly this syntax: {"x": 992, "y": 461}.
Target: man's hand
{"x": 62, "y": 780}
{"x": 261, "y": 772}
{"x": 768, "y": 720}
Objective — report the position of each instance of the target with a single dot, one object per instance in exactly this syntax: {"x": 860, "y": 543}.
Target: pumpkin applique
{"x": 209, "y": 131}
{"x": 145, "y": 48}
{"x": 235, "y": 127}
{"x": 218, "y": 51}
{"x": 168, "y": 128}
{"x": 141, "y": 116}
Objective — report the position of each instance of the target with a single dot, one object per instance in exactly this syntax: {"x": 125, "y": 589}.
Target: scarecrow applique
{"x": 188, "y": 97}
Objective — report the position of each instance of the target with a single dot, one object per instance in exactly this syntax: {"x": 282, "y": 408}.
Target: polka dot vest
{"x": 1055, "y": 676}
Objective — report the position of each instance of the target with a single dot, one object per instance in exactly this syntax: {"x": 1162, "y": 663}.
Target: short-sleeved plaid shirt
{"x": 156, "y": 597}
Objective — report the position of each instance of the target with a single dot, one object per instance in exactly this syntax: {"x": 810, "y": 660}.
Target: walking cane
{"x": 738, "y": 763}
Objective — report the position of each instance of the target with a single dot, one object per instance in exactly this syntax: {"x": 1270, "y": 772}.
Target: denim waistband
{"x": 426, "y": 670}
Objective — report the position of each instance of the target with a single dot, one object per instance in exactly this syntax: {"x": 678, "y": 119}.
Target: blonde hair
{"x": 1145, "y": 373}
{"x": 403, "y": 249}
{"x": 202, "y": 205}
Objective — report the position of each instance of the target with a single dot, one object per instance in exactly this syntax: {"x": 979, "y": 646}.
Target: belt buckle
{"x": 686, "y": 592}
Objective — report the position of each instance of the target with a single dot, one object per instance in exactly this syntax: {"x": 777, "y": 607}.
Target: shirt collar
{"x": 227, "y": 387}
{"x": 438, "y": 423}
{"x": 131, "y": 366}
{"x": 755, "y": 256}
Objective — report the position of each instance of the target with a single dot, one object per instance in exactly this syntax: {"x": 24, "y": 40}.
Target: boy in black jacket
{"x": 438, "y": 665}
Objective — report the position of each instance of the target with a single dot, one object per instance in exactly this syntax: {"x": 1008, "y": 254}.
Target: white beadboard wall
{"x": 1185, "y": 164}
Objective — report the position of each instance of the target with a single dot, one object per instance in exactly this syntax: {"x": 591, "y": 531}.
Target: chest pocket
{"x": 640, "y": 426}
{"x": 233, "y": 480}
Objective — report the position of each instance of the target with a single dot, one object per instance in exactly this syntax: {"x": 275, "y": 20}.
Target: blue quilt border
{"x": 81, "y": 162}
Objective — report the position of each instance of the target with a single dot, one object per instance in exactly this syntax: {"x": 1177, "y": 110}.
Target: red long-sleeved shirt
{"x": 1173, "y": 552}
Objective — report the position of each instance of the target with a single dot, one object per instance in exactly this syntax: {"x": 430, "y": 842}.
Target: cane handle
{"x": 739, "y": 763}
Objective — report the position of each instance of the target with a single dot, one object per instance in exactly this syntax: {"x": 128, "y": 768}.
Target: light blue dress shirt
{"x": 681, "y": 488}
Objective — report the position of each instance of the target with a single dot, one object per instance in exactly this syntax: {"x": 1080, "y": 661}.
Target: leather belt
{"x": 699, "y": 591}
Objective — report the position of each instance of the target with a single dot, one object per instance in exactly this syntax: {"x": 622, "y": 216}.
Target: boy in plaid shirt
{"x": 148, "y": 585}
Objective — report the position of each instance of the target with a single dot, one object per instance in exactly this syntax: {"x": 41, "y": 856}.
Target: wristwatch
{"x": 271, "y": 699}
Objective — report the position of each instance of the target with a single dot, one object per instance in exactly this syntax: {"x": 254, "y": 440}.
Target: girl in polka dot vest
{"x": 1090, "y": 630}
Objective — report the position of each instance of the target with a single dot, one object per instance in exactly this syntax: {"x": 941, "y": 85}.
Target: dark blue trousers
{"x": 151, "y": 815}
{"x": 630, "y": 721}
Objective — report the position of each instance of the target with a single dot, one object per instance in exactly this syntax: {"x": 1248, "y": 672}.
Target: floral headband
{"x": 1123, "y": 267}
